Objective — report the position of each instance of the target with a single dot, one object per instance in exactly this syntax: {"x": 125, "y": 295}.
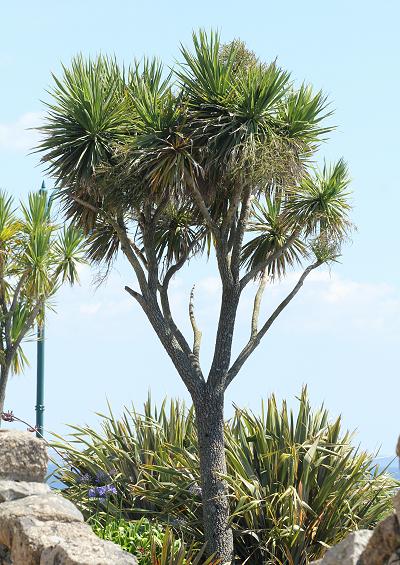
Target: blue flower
{"x": 84, "y": 479}
{"x": 102, "y": 491}
{"x": 111, "y": 489}
{"x": 92, "y": 493}
{"x": 101, "y": 478}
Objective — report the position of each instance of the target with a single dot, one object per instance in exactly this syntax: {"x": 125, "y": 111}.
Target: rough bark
{"x": 209, "y": 409}
{"x": 223, "y": 343}
{"x": 11, "y": 348}
{"x": 4, "y": 373}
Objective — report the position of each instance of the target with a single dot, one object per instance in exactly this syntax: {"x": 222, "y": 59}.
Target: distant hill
{"x": 391, "y": 464}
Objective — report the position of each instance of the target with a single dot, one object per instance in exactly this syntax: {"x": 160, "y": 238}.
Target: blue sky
{"x": 342, "y": 334}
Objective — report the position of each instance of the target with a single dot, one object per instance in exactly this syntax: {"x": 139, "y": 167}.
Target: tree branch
{"x": 160, "y": 209}
{"x": 229, "y": 268}
{"x": 173, "y": 342}
{"x": 17, "y": 291}
{"x": 230, "y": 214}
{"x": 239, "y": 232}
{"x": 254, "y": 341}
{"x": 25, "y": 328}
{"x": 138, "y": 252}
{"x": 196, "y": 332}
{"x": 199, "y": 200}
{"x": 11, "y": 310}
{"x": 232, "y": 233}
{"x": 86, "y": 205}
{"x": 151, "y": 256}
{"x": 220, "y": 239}
{"x": 154, "y": 285}
{"x": 171, "y": 338}
{"x": 168, "y": 319}
{"x": 136, "y": 295}
{"x": 178, "y": 265}
{"x": 126, "y": 247}
{"x": 257, "y": 304}
{"x": 223, "y": 342}
{"x": 126, "y": 244}
{"x": 3, "y": 296}
{"x": 176, "y": 331}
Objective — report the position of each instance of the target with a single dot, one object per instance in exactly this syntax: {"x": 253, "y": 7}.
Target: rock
{"x": 394, "y": 559}
{"x": 22, "y": 457}
{"x": 22, "y": 548}
{"x": 383, "y": 543}
{"x": 348, "y": 551}
{"x": 396, "y": 503}
{"x": 53, "y": 542}
{"x": 5, "y": 557}
{"x": 46, "y": 507}
{"x": 12, "y": 490}
{"x": 83, "y": 550}
{"x": 37, "y": 526}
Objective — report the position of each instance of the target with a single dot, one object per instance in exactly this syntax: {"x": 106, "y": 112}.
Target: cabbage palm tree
{"x": 213, "y": 156}
{"x": 36, "y": 258}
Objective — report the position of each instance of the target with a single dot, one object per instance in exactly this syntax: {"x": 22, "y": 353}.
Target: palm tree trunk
{"x": 4, "y": 373}
{"x": 210, "y": 428}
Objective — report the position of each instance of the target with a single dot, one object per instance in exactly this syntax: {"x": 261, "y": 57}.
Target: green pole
{"x": 40, "y": 381}
{"x": 40, "y": 369}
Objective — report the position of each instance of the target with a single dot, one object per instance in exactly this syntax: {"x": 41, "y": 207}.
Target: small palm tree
{"x": 36, "y": 258}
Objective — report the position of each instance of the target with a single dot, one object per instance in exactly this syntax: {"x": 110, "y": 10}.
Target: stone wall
{"x": 38, "y": 526}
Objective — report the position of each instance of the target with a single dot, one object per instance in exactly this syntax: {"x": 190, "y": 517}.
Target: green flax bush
{"x": 296, "y": 483}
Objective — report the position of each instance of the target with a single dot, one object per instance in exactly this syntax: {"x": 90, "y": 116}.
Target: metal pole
{"x": 40, "y": 368}
{"x": 40, "y": 381}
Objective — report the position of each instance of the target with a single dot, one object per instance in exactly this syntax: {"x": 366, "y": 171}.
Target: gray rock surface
{"x": 384, "y": 541}
{"x": 348, "y": 551}
{"x": 12, "y": 490}
{"x": 5, "y": 557}
{"x": 22, "y": 457}
{"x": 83, "y": 548}
{"x": 394, "y": 559}
{"x": 396, "y": 503}
{"x": 38, "y": 526}
{"x": 49, "y": 543}
{"x": 43, "y": 507}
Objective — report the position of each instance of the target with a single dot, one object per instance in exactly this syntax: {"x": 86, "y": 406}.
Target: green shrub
{"x": 296, "y": 482}
{"x": 150, "y": 543}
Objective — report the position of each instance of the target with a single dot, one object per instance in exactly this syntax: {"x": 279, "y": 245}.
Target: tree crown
{"x": 36, "y": 257}
{"x": 184, "y": 146}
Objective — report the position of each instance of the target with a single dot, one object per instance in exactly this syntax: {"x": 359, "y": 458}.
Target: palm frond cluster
{"x": 296, "y": 483}
{"x": 36, "y": 257}
{"x": 121, "y": 142}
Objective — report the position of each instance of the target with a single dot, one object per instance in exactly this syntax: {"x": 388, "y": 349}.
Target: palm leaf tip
{"x": 321, "y": 202}
{"x": 274, "y": 233}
